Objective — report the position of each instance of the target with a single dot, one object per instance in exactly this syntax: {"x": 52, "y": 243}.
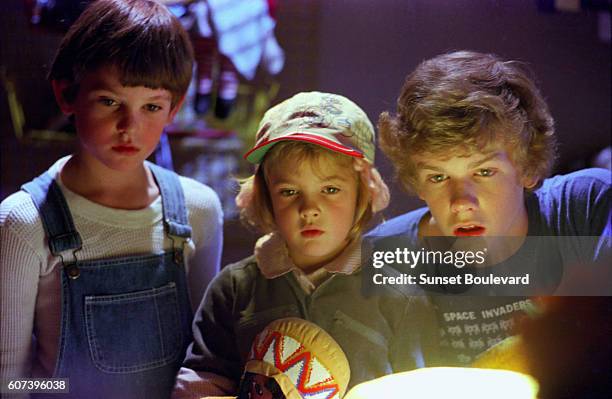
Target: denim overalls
{"x": 126, "y": 322}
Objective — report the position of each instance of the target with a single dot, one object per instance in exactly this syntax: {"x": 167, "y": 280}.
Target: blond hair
{"x": 257, "y": 211}
{"x": 462, "y": 102}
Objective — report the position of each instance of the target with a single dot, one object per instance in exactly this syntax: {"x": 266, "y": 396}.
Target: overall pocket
{"x": 135, "y": 331}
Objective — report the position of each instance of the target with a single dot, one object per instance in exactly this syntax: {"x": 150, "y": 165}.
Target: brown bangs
{"x": 142, "y": 39}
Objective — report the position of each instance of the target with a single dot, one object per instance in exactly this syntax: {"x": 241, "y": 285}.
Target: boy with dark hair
{"x": 474, "y": 139}
{"x": 102, "y": 253}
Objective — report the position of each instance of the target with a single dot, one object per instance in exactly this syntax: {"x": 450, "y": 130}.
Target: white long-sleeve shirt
{"x": 30, "y": 277}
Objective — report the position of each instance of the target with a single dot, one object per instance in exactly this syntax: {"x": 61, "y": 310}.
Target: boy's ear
{"x": 418, "y": 193}
{"x": 176, "y": 108}
{"x": 417, "y": 190}
{"x": 59, "y": 89}
{"x": 529, "y": 182}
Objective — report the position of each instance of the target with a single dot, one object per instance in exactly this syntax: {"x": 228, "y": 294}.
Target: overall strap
{"x": 173, "y": 202}
{"x": 55, "y": 214}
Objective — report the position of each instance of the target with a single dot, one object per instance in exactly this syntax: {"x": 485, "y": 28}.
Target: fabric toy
{"x": 294, "y": 359}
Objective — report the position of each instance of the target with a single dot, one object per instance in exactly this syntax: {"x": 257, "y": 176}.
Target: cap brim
{"x": 257, "y": 153}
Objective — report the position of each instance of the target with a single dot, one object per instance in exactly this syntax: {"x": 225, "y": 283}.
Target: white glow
{"x": 449, "y": 382}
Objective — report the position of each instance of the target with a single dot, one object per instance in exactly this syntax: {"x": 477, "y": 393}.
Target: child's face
{"x": 117, "y": 126}
{"x": 480, "y": 194}
{"x": 314, "y": 208}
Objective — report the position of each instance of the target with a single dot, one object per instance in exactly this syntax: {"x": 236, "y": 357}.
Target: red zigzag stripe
{"x": 300, "y": 355}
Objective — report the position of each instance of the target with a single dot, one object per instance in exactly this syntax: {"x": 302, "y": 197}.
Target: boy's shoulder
{"x": 577, "y": 189}
{"x": 194, "y": 191}
{"x": 194, "y": 188}
{"x": 199, "y": 196}
{"x": 575, "y": 204}
{"x": 580, "y": 180}
{"x": 405, "y": 225}
{"x": 19, "y": 219}
{"x": 18, "y": 209}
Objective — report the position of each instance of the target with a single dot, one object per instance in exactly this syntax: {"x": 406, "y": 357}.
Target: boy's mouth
{"x": 469, "y": 230}
{"x": 311, "y": 233}
{"x": 125, "y": 149}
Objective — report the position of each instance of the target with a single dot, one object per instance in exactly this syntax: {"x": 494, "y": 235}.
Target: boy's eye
{"x": 331, "y": 190}
{"x": 437, "y": 178}
{"x": 486, "y": 172}
{"x": 152, "y": 107}
{"x": 109, "y": 102}
{"x": 287, "y": 192}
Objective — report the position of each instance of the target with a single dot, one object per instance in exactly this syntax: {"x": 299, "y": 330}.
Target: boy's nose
{"x": 463, "y": 204}
{"x": 463, "y": 198}
{"x": 127, "y": 123}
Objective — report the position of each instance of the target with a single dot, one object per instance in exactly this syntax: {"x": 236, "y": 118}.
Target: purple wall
{"x": 363, "y": 50}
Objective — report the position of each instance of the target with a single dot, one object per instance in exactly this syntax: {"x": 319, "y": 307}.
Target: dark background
{"x": 363, "y": 50}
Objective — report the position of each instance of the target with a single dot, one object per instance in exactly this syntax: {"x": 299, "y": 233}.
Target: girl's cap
{"x": 325, "y": 119}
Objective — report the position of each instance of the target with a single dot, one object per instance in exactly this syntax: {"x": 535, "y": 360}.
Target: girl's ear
{"x": 59, "y": 89}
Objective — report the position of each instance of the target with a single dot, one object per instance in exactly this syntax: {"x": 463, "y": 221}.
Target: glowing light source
{"x": 449, "y": 382}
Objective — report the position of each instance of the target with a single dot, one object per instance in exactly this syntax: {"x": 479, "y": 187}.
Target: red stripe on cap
{"x": 309, "y": 138}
